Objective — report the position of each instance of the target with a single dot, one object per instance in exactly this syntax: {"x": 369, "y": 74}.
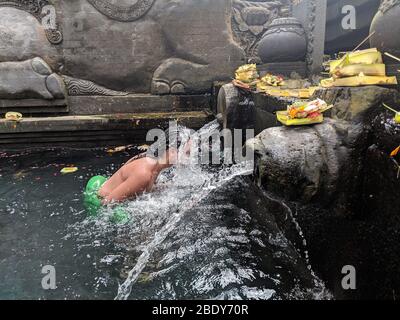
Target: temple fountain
{"x": 94, "y": 73}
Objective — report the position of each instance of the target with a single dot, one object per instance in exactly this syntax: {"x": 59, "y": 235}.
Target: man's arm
{"x": 134, "y": 185}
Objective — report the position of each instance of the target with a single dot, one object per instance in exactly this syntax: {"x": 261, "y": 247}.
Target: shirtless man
{"x": 136, "y": 177}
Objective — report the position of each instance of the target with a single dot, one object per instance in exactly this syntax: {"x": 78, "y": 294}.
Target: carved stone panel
{"x": 123, "y": 13}
{"x": 30, "y": 79}
{"x": 44, "y": 12}
{"x": 134, "y": 46}
{"x": 80, "y": 87}
{"x": 176, "y": 47}
{"x": 250, "y": 20}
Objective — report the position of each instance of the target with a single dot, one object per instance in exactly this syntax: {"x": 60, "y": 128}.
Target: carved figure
{"x": 162, "y": 46}
{"x": 30, "y": 79}
{"x": 251, "y": 19}
{"x": 44, "y": 12}
{"x": 123, "y": 13}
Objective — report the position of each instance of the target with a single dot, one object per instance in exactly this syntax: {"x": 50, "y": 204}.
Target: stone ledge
{"x": 89, "y": 105}
{"x": 92, "y": 130}
{"x": 86, "y": 105}
{"x": 105, "y": 122}
{"x": 33, "y": 106}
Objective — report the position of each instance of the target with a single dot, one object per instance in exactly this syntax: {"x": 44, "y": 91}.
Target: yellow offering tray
{"x": 13, "y": 116}
{"x": 377, "y": 69}
{"x": 283, "y": 118}
{"x": 369, "y": 56}
{"x": 247, "y": 73}
{"x": 358, "y": 81}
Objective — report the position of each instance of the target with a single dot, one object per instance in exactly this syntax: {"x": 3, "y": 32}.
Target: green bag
{"x": 93, "y": 203}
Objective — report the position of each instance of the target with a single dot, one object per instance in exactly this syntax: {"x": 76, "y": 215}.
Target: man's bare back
{"x": 135, "y": 177}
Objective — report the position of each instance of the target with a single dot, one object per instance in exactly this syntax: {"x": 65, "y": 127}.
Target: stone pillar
{"x": 312, "y": 13}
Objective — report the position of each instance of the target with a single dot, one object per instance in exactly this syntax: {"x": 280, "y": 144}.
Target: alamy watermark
{"x": 49, "y": 280}
{"x": 349, "y": 20}
{"x": 349, "y": 281}
{"x": 49, "y": 17}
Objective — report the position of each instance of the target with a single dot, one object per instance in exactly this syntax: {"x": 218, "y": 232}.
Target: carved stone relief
{"x": 79, "y": 87}
{"x": 123, "y": 13}
{"x": 180, "y": 47}
{"x": 35, "y": 79}
{"x": 311, "y": 34}
{"x": 30, "y": 79}
{"x": 43, "y": 11}
{"x": 387, "y": 5}
{"x": 251, "y": 19}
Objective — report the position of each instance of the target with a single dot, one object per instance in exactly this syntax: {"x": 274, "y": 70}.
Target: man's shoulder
{"x": 139, "y": 168}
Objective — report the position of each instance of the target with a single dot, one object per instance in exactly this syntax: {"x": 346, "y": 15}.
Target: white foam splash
{"x": 198, "y": 184}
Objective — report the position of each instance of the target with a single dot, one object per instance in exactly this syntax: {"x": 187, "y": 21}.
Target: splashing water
{"x": 203, "y": 233}
{"x": 161, "y": 232}
{"x": 209, "y": 182}
{"x": 223, "y": 177}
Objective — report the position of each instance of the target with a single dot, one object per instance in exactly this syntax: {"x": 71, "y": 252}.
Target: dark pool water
{"x": 205, "y": 233}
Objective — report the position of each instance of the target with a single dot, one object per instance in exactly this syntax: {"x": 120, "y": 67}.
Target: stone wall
{"x": 143, "y": 46}
{"x": 161, "y": 46}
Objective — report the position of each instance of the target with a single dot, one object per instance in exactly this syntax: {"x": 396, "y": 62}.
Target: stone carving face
{"x": 251, "y": 19}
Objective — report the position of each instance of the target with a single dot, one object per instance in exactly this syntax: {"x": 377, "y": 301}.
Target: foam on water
{"x": 184, "y": 206}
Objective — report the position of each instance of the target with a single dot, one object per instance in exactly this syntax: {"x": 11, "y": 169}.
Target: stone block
{"x": 357, "y": 103}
